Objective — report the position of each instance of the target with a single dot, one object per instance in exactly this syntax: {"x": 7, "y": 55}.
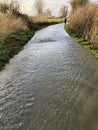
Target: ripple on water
{"x": 50, "y": 85}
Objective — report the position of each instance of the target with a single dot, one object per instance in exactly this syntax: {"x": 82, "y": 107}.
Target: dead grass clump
{"x": 84, "y": 22}
{"x": 40, "y": 18}
{"x": 9, "y": 24}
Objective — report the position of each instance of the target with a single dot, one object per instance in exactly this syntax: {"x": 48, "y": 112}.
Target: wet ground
{"x": 51, "y": 85}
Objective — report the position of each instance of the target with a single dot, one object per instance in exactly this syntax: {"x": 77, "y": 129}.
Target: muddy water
{"x": 51, "y": 85}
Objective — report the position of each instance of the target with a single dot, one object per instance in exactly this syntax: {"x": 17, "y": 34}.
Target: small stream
{"x": 51, "y": 85}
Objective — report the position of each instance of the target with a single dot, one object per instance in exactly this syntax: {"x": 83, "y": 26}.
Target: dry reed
{"x": 9, "y": 24}
{"x": 84, "y": 22}
{"x": 40, "y": 18}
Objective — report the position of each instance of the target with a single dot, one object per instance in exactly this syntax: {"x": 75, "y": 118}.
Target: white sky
{"x": 28, "y": 8}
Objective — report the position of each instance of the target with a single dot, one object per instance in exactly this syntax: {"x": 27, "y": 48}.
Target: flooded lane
{"x": 51, "y": 85}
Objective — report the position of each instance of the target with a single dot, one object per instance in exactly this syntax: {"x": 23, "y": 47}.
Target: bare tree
{"x": 11, "y": 6}
{"x": 78, "y": 3}
{"x": 48, "y": 12}
{"x": 63, "y": 10}
{"x": 39, "y": 5}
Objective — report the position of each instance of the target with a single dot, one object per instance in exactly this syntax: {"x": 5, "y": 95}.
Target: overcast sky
{"x": 54, "y": 5}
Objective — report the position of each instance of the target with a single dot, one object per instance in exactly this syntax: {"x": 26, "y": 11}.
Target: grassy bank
{"x": 82, "y": 41}
{"x": 13, "y": 43}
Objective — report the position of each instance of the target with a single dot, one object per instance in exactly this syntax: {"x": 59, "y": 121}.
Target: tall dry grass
{"x": 40, "y": 18}
{"x": 9, "y": 24}
{"x": 84, "y": 22}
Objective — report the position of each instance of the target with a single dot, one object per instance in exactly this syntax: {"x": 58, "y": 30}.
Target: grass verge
{"x": 12, "y": 45}
{"x": 82, "y": 41}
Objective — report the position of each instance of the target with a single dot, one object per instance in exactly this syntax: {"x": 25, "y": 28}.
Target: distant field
{"x": 58, "y": 20}
{"x": 43, "y": 18}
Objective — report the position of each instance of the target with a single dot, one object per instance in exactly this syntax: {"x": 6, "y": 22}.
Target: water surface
{"x": 51, "y": 85}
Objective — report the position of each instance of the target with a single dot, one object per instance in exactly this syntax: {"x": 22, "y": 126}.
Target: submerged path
{"x": 51, "y": 85}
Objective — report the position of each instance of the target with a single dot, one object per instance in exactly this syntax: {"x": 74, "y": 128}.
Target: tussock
{"x": 84, "y": 22}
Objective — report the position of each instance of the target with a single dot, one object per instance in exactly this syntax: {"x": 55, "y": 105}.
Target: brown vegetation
{"x": 9, "y": 24}
{"x": 78, "y": 3}
{"x": 11, "y": 20}
{"x": 84, "y": 22}
{"x": 40, "y": 18}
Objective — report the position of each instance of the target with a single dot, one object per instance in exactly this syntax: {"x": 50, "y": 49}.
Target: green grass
{"x": 12, "y": 45}
{"x": 57, "y": 20}
{"x": 68, "y": 30}
{"x": 22, "y": 36}
{"x": 4, "y": 54}
{"x": 82, "y": 41}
